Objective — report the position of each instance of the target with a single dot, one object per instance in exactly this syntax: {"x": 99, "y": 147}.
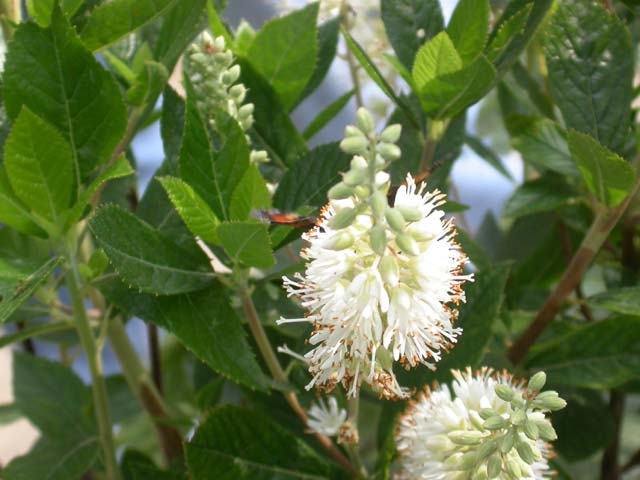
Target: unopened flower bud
{"x": 407, "y": 244}
{"x": 394, "y": 219}
{"x": 536, "y": 383}
{"x": 391, "y": 134}
{"x": 550, "y": 402}
{"x": 382, "y": 179}
{"x": 494, "y": 466}
{"x": 487, "y": 412}
{"x": 259, "y": 156}
{"x": 355, "y": 177}
{"x": 546, "y": 431}
{"x": 238, "y": 92}
{"x": 359, "y": 163}
{"x": 466, "y": 437}
{"x": 476, "y": 420}
{"x": 365, "y": 121}
{"x": 343, "y": 218}
{"x": 487, "y": 449}
{"x": 362, "y": 192}
{"x": 246, "y": 110}
{"x": 480, "y": 473}
{"x": 495, "y": 423}
{"x": 354, "y": 145}
{"x": 339, "y": 241}
{"x": 513, "y": 468}
{"x": 351, "y": 131}
{"x": 340, "y": 191}
{"x": 526, "y": 452}
{"x": 504, "y": 392}
{"x": 530, "y": 430}
{"x": 389, "y": 270}
{"x": 507, "y": 442}
{"x": 389, "y": 151}
{"x": 378, "y": 204}
{"x": 378, "y": 236}
{"x": 231, "y": 75}
{"x": 410, "y": 214}
{"x": 468, "y": 461}
{"x": 518, "y": 417}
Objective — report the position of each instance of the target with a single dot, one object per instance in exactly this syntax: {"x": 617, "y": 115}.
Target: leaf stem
{"x": 279, "y": 375}
{"x": 351, "y": 62}
{"x": 602, "y": 225}
{"x": 87, "y": 340}
{"x": 353, "y": 407}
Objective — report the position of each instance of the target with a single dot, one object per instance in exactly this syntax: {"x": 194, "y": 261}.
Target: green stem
{"x": 88, "y": 342}
{"x": 11, "y": 12}
{"x": 353, "y": 407}
{"x": 351, "y": 62}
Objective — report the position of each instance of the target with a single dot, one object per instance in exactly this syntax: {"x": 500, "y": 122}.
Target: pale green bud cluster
{"x": 369, "y": 185}
{"x": 210, "y": 67}
{"x": 507, "y": 443}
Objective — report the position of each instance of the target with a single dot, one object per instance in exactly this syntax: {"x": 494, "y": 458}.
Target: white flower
{"x": 369, "y": 310}
{"x": 444, "y": 435}
{"x": 326, "y": 421}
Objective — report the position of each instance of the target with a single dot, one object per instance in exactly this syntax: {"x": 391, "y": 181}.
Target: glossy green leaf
{"x": 326, "y": 115}
{"x": 50, "y": 72}
{"x": 113, "y": 20}
{"x": 284, "y": 52}
{"x": 599, "y": 355}
{"x": 39, "y": 166}
{"x": 148, "y": 85}
{"x": 195, "y": 213}
{"x": 203, "y": 321}
{"x": 247, "y": 243}
{"x": 237, "y": 444}
{"x": 591, "y": 71}
{"x": 144, "y": 258}
{"x": 507, "y": 32}
{"x": 625, "y": 300}
{"x": 308, "y": 182}
{"x": 16, "y": 286}
{"x": 609, "y": 177}
{"x": 136, "y": 466}
{"x": 436, "y": 58}
{"x": 13, "y": 212}
{"x": 251, "y": 193}
{"x": 40, "y": 10}
{"x": 180, "y": 25}
{"x": 544, "y": 194}
{"x": 410, "y": 23}
{"x": 217, "y": 25}
{"x": 469, "y": 28}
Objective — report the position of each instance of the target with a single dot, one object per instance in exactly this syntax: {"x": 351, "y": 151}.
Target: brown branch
{"x": 610, "y": 470}
{"x": 154, "y": 356}
{"x": 600, "y": 229}
{"x": 565, "y": 241}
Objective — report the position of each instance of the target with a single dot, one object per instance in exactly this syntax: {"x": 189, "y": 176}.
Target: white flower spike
{"x": 488, "y": 427}
{"x": 380, "y": 279}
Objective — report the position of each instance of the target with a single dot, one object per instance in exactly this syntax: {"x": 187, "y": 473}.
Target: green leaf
{"x": 136, "y": 466}
{"x": 251, "y": 193}
{"x": 308, "y": 182}
{"x": 247, "y": 243}
{"x": 180, "y": 25}
{"x": 50, "y": 72}
{"x": 436, "y": 58}
{"x": 272, "y": 128}
{"x": 13, "y": 212}
{"x": 506, "y": 33}
{"x": 542, "y": 143}
{"x": 16, "y": 288}
{"x": 488, "y": 155}
{"x": 33, "y": 331}
{"x": 213, "y": 175}
{"x": 148, "y": 85}
{"x": 448, "y": 95}
{"x": 216, "y": 24}
{"x": 624, "y": 300}
{"x": 376, "y": 76}
{"x": 591, "y": 71}
{"x": 39, "y": 166}
{"x": 9, "y": 413}
{"x": 237, "y": 444}
{"x": 599, "y": 355}
{"x": 409, "y": 23}
{"x": 328, "y": 34}
{"x": 326, "y": 115}
{"x": 477, "y": 317}
{"x": 284, "y": 52}
{"x": 171, "y": 127}
{"x": 609, "y": 177}
{"x": 59, "y": 404}
{"x": 120, "y": 168}
{"x": 544, "y": 194}
{"x": 40, "y": 10}
{"x": 144, "y": 258}
{"x": 195, "y": 213}
{"x": 203, "y": 321}
{"x": 469, "y": 28}
{"x": 113, "y": 20}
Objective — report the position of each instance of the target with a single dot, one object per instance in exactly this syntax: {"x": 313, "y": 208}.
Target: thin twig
{"x": 351, "y": 62}
{"x": 610, "y": 470}
{"x": 154, "y": 356}
{"x": 567, "y": 248}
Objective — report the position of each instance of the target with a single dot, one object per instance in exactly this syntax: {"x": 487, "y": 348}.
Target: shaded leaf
{"x": 469, "y": 28}
{"x": 247, "y": 243}
{"x": 543, "y": 194}
{"x": 624, "y": 300}
{"x": 251, "y": 193}
{"x": 436, "y": 58}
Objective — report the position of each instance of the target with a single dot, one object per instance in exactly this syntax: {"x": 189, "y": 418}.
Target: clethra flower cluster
{"x": 380, "y": 277}
{"x": 214, "y": 78}
{"x": 326, "y": 420}
{"x": 490, "y": 427}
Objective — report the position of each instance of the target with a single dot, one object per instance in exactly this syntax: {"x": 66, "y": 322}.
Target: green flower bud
{"x": 394, "y": 219}
{"x": 519, "y": 417}
{"x": 465, "y": 437}
{"x": 487, "y": 412}
{"x": 379, "y": 204}
{"x": 495, "y": 423}
{"x": 526, "y": 452}
{"x": 365, "y": 121}
{"x": 391, "y": 134}
{"x": 238, "y": 92}
{"x": 259, "y": 156}
{"x": 513, "y": 468}
{"x": 389, "y": 270}
{"x": 355, "y": 177}
{"x": 407, "y": 244}
{"x": 231, "y": 75}
{"x": 410, "y": 214}
{"x": 494, "y": 466}
{"x": 358, "y": 163}
{"x": 245, "y": 111}
{"x": 536, "y": 383}
{"x": 480, "y": 473}
{"x": 354, "y": 145}
{"x": 546, "y": 431}
{"x": 517, "y": 401}
{"x": 549, "y": 400}
{"x": 507, "y": 441}
{"x": 476, "y": 420}
{"x": 339, "y": 241}
{"x": 389, "y": 151}
{"x": 504, "y": 392}
{"x": 378, "y": 237}
{"x": 351, "y": 131}
{"x": 362, "y": 192}
{"x": 343, "y": 218}
{"x": 487, "y": 449}
{"x": 468, "y": 461}
{"x": 340, "y": 191}
{"x": 530, "y": 430}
